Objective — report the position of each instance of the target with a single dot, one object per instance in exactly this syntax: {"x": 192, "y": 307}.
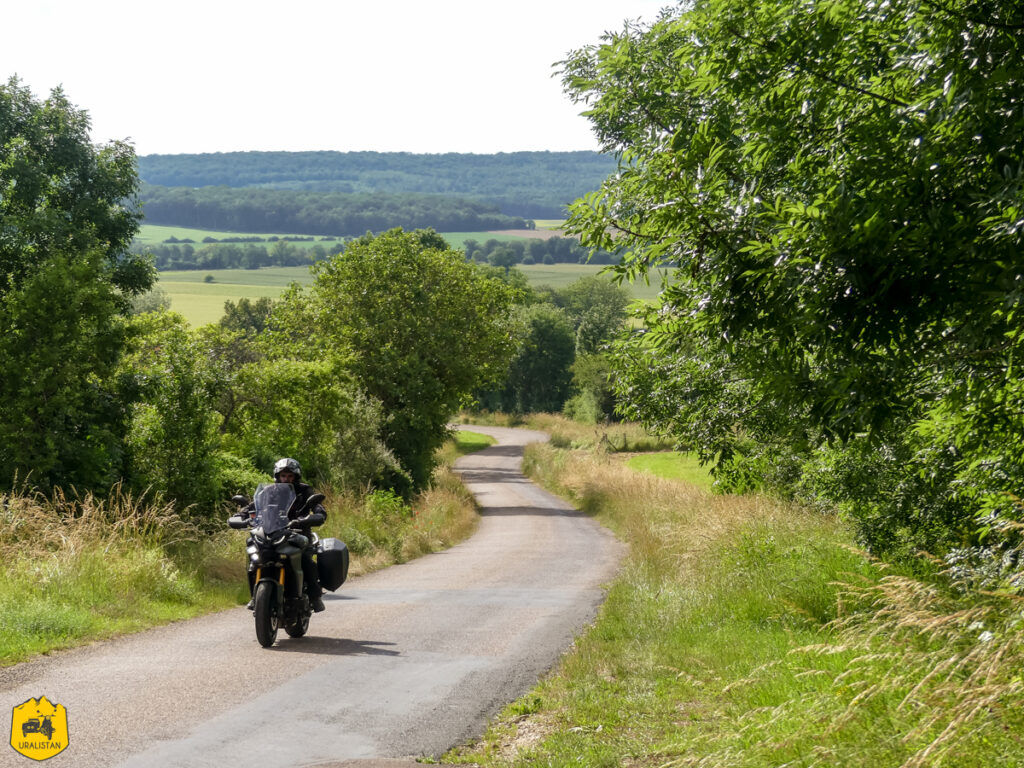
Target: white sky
{"x": 226, "y": 75}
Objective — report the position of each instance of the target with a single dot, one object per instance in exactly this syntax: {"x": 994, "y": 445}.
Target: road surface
{"x": 409, "y": 661}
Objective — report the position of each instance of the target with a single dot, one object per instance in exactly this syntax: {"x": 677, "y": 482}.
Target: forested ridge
{"x": 527, "y": 184}
{"x": 316, "y": 213}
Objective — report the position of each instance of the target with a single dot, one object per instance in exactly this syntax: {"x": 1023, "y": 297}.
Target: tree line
{"x": 356, "y": 376}
{"x": 562, "y": 337}
{"x": 226, "y": 255}
{"x": 519, "y": 184}
{"x": 836, "y": 187}
{"x": 316, "y": 213}
{"x": 238, "y": 253}
{"x": 553, "y": 250}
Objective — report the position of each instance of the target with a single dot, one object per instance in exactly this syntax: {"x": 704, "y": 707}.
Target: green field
{"x": 153, "y": 234}
{"x": 674, "y": 466}
{"x": 202, "y": 302}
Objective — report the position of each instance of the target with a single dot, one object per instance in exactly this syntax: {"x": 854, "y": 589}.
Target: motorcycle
{"x": 33, "y": 725}
{"x": 275, "y": 546}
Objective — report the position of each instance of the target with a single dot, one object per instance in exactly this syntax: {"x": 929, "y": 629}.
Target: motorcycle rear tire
{"x": 265, "y": 612}
{"x": 297, "y": 628}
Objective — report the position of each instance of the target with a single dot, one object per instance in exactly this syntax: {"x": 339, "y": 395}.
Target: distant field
{"x": 153, "y": 234}
{"x": 458, "y": 239}
{"x": 202, "y": 302}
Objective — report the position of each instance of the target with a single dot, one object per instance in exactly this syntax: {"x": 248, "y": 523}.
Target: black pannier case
{"x": 332, "y": 563}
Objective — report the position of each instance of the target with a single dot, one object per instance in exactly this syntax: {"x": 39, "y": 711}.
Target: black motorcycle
{"x": 278, "y": 587}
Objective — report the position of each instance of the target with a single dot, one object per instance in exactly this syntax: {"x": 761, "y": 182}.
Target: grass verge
{"x": 673, "y": 465}
{"x": 77, "y": 570}
{"x": 745, "y": 632}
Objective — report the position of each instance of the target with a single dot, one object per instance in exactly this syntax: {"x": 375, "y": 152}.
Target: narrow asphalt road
{"x": 406, "y": 662}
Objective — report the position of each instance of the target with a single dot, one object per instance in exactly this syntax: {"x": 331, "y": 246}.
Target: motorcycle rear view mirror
{"x": 315, "y": 499}
{"x": 240, "y": 500}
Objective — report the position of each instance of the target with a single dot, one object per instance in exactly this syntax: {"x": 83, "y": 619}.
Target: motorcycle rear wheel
{"x": 265, "y": 612}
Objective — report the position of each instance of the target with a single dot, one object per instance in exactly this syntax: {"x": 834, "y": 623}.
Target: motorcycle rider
{"x": 288, "y": 470}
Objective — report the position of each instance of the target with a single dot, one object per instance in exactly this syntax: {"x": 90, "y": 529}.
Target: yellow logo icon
{"x": 39, "y": 729}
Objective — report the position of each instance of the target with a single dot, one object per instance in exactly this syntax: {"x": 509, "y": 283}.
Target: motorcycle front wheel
{"x": 298, "y": 627}
{"x": 266, "y": 614}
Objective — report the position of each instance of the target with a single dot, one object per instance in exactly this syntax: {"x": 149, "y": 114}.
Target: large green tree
{"x": 422, "y": 327}
{"x": 837, "y": 185}
{"x": 66, "y": 221}
{"x": 539, "y": 376}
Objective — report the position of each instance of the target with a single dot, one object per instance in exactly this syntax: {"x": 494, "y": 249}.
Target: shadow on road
{"x": 538, "y": 511}
{"x": 333, "y": 646}
{"x": 491, "y": 475}
{"x": 498, "y": 450}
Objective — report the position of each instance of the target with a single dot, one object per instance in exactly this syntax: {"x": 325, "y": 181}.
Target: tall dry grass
{"x": 745, "y": 632}
{"x": 74, "y": 569}
{"x": 33, "y": 524}
{"x": 77, "y": 568}
{"x": 381, "y": 530}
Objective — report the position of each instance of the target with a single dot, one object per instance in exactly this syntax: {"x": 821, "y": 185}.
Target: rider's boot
{"x": 316, "y": 602}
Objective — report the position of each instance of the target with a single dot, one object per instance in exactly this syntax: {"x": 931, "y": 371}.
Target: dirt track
{"x": 405, "y": 662}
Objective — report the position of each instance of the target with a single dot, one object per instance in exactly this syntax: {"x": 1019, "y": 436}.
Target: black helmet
{"x": 288, "y": 465}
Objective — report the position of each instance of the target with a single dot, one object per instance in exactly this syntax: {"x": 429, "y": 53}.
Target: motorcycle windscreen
{"x": 272, "y": 502}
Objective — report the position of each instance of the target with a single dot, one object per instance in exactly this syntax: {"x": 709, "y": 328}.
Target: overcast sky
{"x": 226, "y": 75}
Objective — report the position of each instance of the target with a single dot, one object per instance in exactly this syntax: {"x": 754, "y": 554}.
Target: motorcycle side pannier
{"x": 332, "y": 563}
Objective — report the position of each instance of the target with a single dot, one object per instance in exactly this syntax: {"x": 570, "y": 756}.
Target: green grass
{"x": 155, "y": 234}
{"x": 728, "y": 640}
{"x": 471, "y": 442}
{"x": 98, "y": 592}
{"x": 463, "y": 442}
{"x": 674, "y": 466}
{"x": 458, "y": 239}
{"x": 201, "y": 302}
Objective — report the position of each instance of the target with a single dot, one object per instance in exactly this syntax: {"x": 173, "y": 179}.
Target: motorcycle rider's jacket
{"x": 302, "y": 494}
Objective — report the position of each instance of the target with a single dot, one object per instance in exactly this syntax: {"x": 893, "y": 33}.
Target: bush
{"x": 584, "y": 408}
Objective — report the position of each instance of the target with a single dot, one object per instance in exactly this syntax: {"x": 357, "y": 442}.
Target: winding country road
{"x": 406, "y": 662}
